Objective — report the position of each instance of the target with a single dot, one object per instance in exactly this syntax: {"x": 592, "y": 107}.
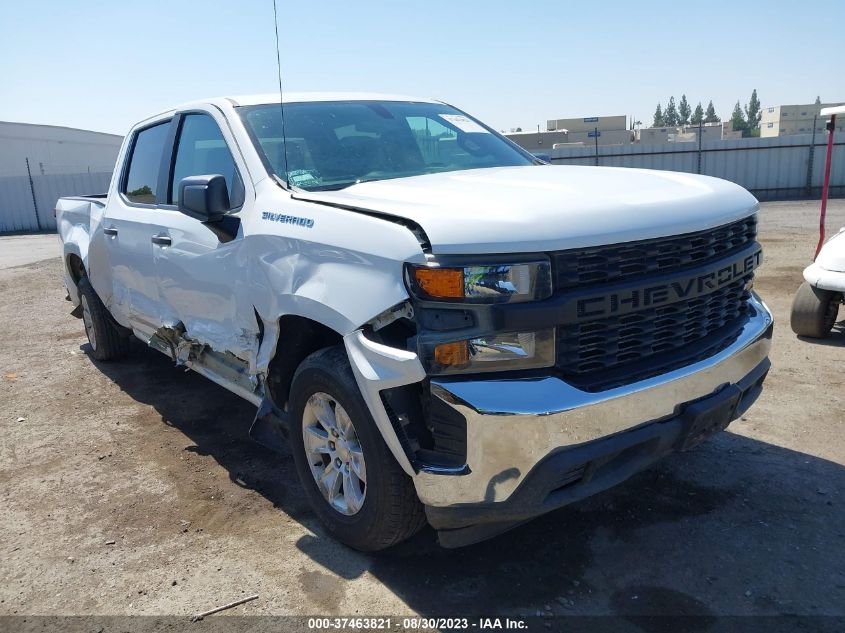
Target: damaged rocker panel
{"x": 223, "y": 368}
{"x": 269, "y": 427}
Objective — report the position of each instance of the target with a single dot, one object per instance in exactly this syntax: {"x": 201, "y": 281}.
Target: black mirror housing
{"x": 204, "y": 198}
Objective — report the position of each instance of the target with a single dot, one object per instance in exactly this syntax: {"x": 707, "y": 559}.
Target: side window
{"x": 144, "y": 163}
{"x": 202, "y": 151}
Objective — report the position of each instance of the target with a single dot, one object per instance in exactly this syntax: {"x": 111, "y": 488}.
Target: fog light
{"x": 496, "y": 352}
{"x": 452, "y": 354}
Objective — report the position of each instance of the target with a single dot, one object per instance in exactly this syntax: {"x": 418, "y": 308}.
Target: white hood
{"x": 543, "y": 208}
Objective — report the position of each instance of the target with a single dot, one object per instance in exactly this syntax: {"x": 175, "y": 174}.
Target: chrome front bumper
{"x": 512, "y": 425}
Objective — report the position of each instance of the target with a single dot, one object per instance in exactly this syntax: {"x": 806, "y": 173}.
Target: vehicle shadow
{"x": 737, "y": 526}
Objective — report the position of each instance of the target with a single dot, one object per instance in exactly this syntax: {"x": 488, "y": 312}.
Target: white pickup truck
{"x": 439, "y": 326}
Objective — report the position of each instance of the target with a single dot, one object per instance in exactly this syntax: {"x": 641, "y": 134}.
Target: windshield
{"x": 335, "y": 144}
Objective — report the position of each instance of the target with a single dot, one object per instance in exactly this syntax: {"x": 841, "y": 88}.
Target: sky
{"x": 106, "y": 65}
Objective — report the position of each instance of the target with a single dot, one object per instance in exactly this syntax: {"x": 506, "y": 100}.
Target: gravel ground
{"x": 132, "y": 488}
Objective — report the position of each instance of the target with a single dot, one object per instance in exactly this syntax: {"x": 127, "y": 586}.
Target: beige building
{"x": 728, "y": 131}
{"x": 606, "y": 137}
{"x": 538, "y": 141}
{"x": 604, "y": 130}
{"x": 686, "y": 134}
{"x": 784, "y": 120}
{"x": 589, "y": 124}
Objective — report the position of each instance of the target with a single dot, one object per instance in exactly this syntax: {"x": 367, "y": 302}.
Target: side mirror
{"x": 205, "y": 198}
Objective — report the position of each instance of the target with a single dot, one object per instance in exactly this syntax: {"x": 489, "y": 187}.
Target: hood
{"x": 548, "y": 207}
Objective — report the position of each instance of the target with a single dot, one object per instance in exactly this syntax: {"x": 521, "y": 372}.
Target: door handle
{"x": 161, "y": 240}
{"x": 110, "y": 230}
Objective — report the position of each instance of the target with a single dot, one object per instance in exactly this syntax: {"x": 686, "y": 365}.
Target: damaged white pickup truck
{"x": 439, "y": 325}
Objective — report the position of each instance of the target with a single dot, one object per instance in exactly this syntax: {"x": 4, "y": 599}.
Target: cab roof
{"x": 300, "y": 97}
{"x": 289, "y": 97}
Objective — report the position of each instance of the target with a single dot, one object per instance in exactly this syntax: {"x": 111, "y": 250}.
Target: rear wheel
{"x": 351, "y": 479}
{"x": 814, "y": 311}
{"x": 104, "y": 335}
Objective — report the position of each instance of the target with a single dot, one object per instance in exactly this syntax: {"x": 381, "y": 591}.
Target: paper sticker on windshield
{"x": 302, "y": 178}
{"x": 463, "y": 123}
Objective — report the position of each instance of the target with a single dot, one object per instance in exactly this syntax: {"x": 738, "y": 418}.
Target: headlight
{"x": 497, "y": 283}
{"x": 496, "y": 352}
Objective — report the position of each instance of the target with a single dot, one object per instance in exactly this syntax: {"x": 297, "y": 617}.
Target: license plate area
{"x": 707, "y": 416}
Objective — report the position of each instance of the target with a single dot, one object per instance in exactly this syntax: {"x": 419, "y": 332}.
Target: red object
{"x": 826, "y": 185}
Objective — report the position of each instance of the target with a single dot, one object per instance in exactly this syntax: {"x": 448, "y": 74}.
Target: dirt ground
{"x": 132, "y": 488}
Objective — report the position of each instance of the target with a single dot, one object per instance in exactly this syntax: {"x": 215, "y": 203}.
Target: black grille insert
{"x": 604, "y": 264}
{"x": 608, "y": 352}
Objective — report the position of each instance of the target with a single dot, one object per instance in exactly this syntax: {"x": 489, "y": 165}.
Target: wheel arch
{"x": 75, "y": 267}
{"x": 298, "y": 337}
{"x": 375, "y": 367}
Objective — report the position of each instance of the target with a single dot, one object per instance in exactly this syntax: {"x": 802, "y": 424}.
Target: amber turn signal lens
{"x": 452, "y": 353}
{"x": 441, "y": 283}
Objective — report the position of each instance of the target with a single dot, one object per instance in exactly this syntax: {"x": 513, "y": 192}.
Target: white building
{"x": 40, "y": 163}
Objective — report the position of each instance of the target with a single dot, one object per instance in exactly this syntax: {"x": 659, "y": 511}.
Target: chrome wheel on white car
{"x": 352, "y": 482}
{"x": 334, "y": 453}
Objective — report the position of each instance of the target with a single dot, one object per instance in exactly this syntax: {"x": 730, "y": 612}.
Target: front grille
{"x": 611, "y": 351}
{"x": 617, "y": 262}
{"x": 608, "y": 352}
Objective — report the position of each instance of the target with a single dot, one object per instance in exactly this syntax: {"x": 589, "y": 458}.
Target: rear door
{"x": 128, "y": 226}
{"x": 198, "y": 270}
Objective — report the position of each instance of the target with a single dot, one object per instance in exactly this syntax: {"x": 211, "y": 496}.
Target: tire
{"x": 814, "y": 311}
{"x": 107, "y": 341}
{"x": 384, "y": 509}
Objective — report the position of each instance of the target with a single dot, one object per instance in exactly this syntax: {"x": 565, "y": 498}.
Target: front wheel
{"x": 814, "y": 311}
{"x": 352, "y": 481}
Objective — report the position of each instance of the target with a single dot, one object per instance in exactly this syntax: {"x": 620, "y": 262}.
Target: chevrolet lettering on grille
{"x": 676, "y": 288}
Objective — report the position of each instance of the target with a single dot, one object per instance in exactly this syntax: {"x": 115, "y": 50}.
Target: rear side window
{"x": 202, "y": 151}
{"x": 144, "y": 164}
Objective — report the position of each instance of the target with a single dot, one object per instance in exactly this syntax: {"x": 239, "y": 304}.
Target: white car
{"x": 441, "y": 327}
{"x": 816, "y": 304}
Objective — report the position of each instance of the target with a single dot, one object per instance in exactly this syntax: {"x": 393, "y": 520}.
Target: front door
{"x": 198, "y": 272}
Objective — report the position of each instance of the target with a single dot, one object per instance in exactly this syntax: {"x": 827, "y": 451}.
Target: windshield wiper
{"x": 342, "y": 185}
{"x": 333, "y": 187}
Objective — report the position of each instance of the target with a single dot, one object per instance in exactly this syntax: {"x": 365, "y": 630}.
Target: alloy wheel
{"x": 334, "y": 453}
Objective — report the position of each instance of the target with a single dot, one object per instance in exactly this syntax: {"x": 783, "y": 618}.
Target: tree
{"x": 697, "y": 115}
{"x": 818, "y": 100}
{"x": 738, "y": 121}
{"x": 670, "y": 115}
{"x": 710, "y": 114}
{"x": 683, "y": 111}
{"x": 753, "y": 112}
{"x": 658, "y": 117}
{"x": 519, "y": 129}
